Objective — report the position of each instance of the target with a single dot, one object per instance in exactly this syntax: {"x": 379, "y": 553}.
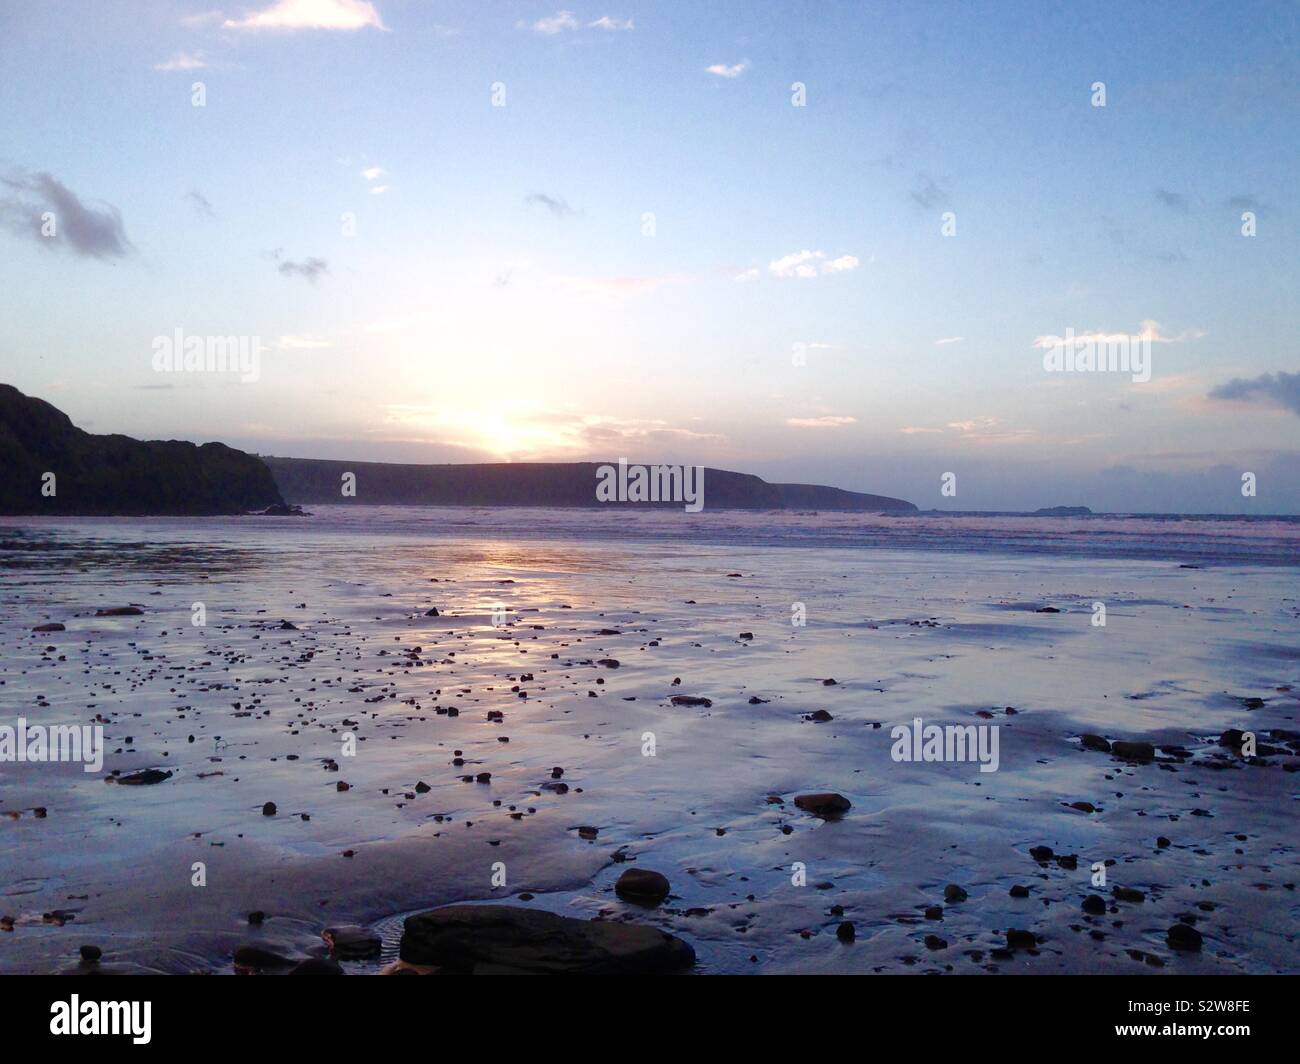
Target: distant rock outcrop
{"x": 1062, "y": 511}
{"x": 105, "y": 475}
{"x": 309, "y": 481}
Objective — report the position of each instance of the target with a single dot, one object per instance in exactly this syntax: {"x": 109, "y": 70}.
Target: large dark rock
{"x": 116, "y": 474}
{"x": 485, "y": 938}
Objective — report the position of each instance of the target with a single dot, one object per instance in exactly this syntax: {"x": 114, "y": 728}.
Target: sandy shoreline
{"x": 943, "y": 636}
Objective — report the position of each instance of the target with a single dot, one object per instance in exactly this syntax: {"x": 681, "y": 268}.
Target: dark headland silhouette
{"x": 108, "y": 475}
{"x": 568, "y": 484}
{"x": 118, "y": 475}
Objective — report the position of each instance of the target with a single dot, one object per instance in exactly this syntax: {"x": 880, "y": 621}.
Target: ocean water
{"x": 1203, "y": 539}
{"x": 941, "y": 618}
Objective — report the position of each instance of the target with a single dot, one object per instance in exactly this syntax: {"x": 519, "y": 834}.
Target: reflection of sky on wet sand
{"x": 267, "y": 708}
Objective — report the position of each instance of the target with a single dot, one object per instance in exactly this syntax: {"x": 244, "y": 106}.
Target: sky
{"x": 821, "y": 242}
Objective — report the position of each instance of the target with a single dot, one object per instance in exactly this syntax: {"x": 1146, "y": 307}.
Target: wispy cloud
{"x": 310, "y": 15}
{"x": 295, "y": 342}
{"x": 374, "y": 173}
{"x": 807, "y": 264}
{"x": 557, "y": 205}
{"x": 200, "y": 204}
{"x": 829, "y": 421}
{"x": 1175, "y": 201}
{"x": 928, "y": 194}
{"x": 553, "y": 24}
{"x": 310, "y": 269}
{"x": 183, "y": 61}
{"x": 1278, "y": 389}
{"x": 43, "y": 208}
{"x": 949, "y": 340}
{"x": 722, "y": 70}
{"x": 611, "y": 24}
{"x": 1149, "y": 331}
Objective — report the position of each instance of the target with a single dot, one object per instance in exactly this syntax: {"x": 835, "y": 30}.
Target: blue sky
{"x": 797, "y": 310}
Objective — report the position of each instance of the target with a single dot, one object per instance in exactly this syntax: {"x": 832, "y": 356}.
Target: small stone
{"x": 953, "y": 894}
{"x": 1094, "y": 904}
{"x": 91, "y": 953}
{"x": 268, "y": 809}
{"x": 825, "y": 804}
{"x": 1184, "y": 937}
{"x": 1094, "y": 742}
{"x": 1135, "y": 751}
{"x": 1019, "y": 939}
{"x": 1019, "y": 891}
{"x": 643, "y": 886}
{"x": 846, "y": 932}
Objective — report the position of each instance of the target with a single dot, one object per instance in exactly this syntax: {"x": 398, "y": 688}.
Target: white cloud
{"x": 374, "y": 173}
{"x": 724, "y": 71}
{"x": 612, "y": 24}
{"x": 807, "y": 264}
{"x": 183, "y": 61}
{"x": 1148, "y": 330}
{"x": 750, "y": 274}
{"x": 557, "y": 23}
{"x": 950, "y": 340}
{"x": 310, "y": 15}
{"x": 301, "y": 343}
{"x": 829, "y": 421}
{"x": 378, "y": 190}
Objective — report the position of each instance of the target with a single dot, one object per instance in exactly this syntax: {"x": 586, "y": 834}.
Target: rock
{"x": 479, "y": 938}
{"x": 1047, "y": 609}
{"x": 643, "y": 886}
{"x": 91, "y": 953}
{"x": 279, "y": 509}
{"x": 351, "y": 942}
{"x": 287, "y": 626}
{"x": 934, "y": 912}
{"x": 1128, "y": 894}
{"x": 825, "y": 804}
{"x": 144, "y": 777}
{"x": 55, "y": 627}
{"x": 588, "y": 832}
{"x": 828, "y": 683}
{"x": 256, "y": 958}
{"x": 609, "y": 663}
{"x": 433, "y": 612}
{"x": 821, "y": 716}
{"x": 1184, "y": 937}
{"x": 846, "y": 932}
{"x": 1133, "y": 751}
{"x": 691, "y": 700}
{"x": 1041, "y": 853}
{"x": 1019, "y": 891}
{"x": 120, "y": 611}
{"x": 1094, "y": 742}
{"x": 745, "y": 635}
{"x": 1232, "y": 738}
{"x": 268, "y": 809}
{"x": 1094, "y": 905}
{"x": 1083, "y": 807}
{"x": 317, "y": 966}
{"x": 935, "y": 942}
{"x": 953, "y": 893}
{"x": 257, "y": 917}
{"x": 1018, "y": 939}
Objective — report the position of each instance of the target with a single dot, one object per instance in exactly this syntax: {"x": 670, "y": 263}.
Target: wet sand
{"x": 244, "y": 711}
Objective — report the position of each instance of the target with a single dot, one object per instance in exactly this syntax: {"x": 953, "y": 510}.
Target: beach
{"x": 490, "y": 739}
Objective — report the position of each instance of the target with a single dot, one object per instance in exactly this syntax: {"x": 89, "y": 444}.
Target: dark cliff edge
{"x": 117, "y": 475}
{"x": 310, "y": 480}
